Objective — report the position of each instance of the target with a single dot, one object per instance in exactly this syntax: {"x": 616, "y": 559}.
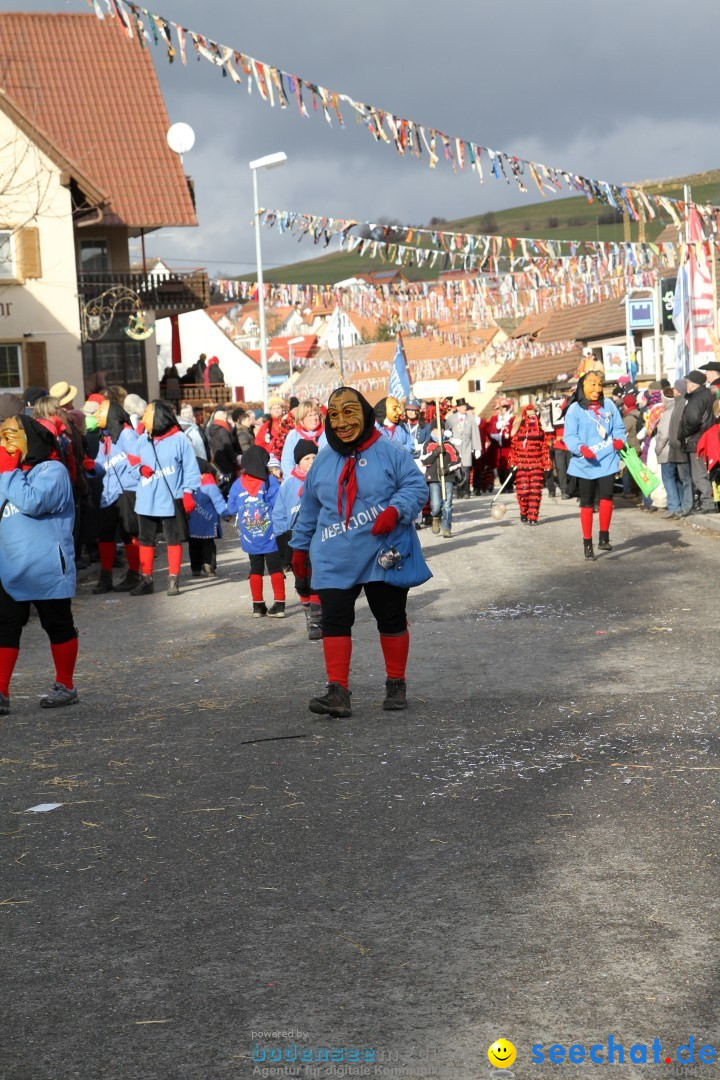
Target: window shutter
{"x": 35, "y": 363}
{"x": 29, "y": 245}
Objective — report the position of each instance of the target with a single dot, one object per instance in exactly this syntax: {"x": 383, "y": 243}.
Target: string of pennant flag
{"x": 409, "y": 137}
{"x": 404, "y": 245}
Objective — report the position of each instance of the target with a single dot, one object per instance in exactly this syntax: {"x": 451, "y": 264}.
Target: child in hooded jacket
{"x": 204, "y": 523}
{"x": 285, "y": 512}
{"x": 252, "y": 498}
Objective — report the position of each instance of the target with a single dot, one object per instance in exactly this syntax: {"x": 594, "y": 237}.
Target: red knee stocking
{"x": 107, "y": 554}
{"x": 7, "y": 666}
{"x": 314, "y": 598}
{"x": 132, "y": 553}
{"x": 256, "y": 590}
{"x": 147, "y": 558}
{"x": 395, "y": 650}
{"x": 605, "y": 514}
{"x": 174, "y": 559}
{"x": 586, "y": 521}
{"x": 65, "y": 656}
{"x": 338, "y": 651}
{"x": 278, "y": 586}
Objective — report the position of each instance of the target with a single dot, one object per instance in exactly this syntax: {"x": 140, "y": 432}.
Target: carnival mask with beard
{"x": 345, "y": 416}
{"x": 394, "y": 410}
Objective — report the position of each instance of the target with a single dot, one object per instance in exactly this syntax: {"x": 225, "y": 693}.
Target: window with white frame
{"x": 7, "y": 255}
{"x": 10, "y": 367}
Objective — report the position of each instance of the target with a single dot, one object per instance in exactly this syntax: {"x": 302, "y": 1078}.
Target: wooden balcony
{"x": 165, "y": 294}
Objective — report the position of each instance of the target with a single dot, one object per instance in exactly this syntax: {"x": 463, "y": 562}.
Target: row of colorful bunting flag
{"x": 409, "y": 137}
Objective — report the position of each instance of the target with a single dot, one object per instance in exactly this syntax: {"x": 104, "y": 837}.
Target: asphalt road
{"x": 530, "y": 852}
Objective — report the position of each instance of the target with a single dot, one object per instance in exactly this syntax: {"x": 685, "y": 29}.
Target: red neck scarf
{"x": 348, "y": 480}
{"x": 172, "y": 431}
{"x": 252, "y": 484}
{"x": 299, "y": 475}
{"x": 222, "y": 424}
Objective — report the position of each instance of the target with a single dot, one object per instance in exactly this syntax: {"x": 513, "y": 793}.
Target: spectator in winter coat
{"x": 192, "y": 431}
{"x": 674, "y": 465}
{"x": 223, "y": 443}
{"x": 360, "y": 501}
{"x": 252, "y": 497}
{"x": 437, "y": 469}
{"x": 168, "y": 476}
{"x": 419, "y": 429}
{"x": 269, "y": 430}
{"x": 204, "y": 523}
{"x": 244, "y": 429}
{"x": 37, "y": 555}
{"x": 309, "y": 428}
{"x": 285, "y": 512}
{"x": 696, "y": 418}
{"x": 213, "y": 375}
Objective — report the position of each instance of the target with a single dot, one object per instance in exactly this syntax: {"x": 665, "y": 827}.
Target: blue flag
{"x": 399, "y": 378}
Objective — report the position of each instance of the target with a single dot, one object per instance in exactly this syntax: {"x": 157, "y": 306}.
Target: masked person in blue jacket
{"x": 594, "y": 433}
{"x": 356, "y": 529}
{"x": 285, "y": 512}
{"x": 390, "y": 413}
{"x": 168, "y": 476}
{"x": 252, "y": 497}
{"x": 117, "y": 502}
{"x": 37, "y": 553}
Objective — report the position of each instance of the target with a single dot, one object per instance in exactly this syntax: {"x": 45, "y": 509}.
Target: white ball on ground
{"x": 497, "y": 511}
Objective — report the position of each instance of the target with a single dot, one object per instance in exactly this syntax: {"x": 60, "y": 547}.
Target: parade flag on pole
{"x": 399, "y": 378}
{"x": 700, "y": 289}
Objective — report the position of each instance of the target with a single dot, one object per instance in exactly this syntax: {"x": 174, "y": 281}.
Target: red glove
{"x": 132, "y": 459}
{"x": 385, "y": 522}
{"x": 618, "y": 444}
{"x": 188, "y": 502}
{"x": 146, "y": 471}
{"x": 300, "y": 565}
{"x": 587, "y": 453}
{"x": 9, "y": 462}
{"x": 88, "y": 464}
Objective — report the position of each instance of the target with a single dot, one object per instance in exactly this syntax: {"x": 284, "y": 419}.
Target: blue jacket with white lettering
{"x": 118, "y": 474}
{"x": 204, "y": 521}
{"x": 343, "y": 556}
{"x": 254, "y": 515}
{"x": 176, "y": 470}
{"x": 37, "y": 551}
{"x": 584, "y": 428}
{"x": 287, "y": 504}
{"x": 400, "y": 435}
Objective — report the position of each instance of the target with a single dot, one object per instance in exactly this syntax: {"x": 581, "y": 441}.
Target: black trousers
{"x": 203, "y": 552}
{"x": 388, "y": 604}
{"x": 110, "y": 523}
{"x": 589, "y": 490}
{"x": 55, "y": 618}
{"x": 271, "y": 560}
{"x": 562, "y": 460}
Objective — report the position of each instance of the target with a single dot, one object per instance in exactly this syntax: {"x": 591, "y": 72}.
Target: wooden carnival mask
{"x": 346, "y": 416}
{"x": 13, "y": 437}
{"x": 394, "y": 410}
{"x": 593, "y": 386}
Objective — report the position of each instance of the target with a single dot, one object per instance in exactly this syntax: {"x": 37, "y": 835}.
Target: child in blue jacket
{"x": 252, "y": 497}
{"x": 287, "y": 508}
{"x": 169, "y": 475}
{"x": 204, "y": 523}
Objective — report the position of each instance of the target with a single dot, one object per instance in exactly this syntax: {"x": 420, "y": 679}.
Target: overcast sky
{"x": 620, "y": 90}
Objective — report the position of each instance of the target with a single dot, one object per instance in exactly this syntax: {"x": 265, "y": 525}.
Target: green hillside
{"x": 557, "y": 219}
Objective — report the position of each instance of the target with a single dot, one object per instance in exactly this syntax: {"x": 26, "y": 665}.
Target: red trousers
{"x": 528, "y": 491}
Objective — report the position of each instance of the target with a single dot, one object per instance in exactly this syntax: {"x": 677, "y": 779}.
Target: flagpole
{"x": 691, "y": 327}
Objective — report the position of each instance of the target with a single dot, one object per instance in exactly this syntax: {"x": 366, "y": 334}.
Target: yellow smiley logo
{"x": 502, "y": 1053}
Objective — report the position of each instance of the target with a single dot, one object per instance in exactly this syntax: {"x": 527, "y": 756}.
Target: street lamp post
{"x": 271, "y": 161}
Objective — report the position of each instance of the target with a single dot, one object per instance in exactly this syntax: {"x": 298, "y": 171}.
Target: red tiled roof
{"x": 94, "y": 93}
{"x": 301, "y": 351}
{"x": 530, "y": 372}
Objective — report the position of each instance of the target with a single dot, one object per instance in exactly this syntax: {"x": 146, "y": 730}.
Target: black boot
{"x": 131, "y": 579}
{"x": 259, "y": 609}
{"x": 335, "y": 703}
{"x": 277, "y": 611}
{"x": 104, "y": 583}
{"x": 588, "y": 549}
{"x": 395, "y": 695}
{"x": 209, "y": 570}
{"x": 314, "y": 625}
{"x": 172, "y": 589}
{"x": 145, "y": 586}
{"x": 604, "y": 542}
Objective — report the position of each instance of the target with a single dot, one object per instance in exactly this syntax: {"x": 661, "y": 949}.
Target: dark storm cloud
{"x": 620, "y": 90}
